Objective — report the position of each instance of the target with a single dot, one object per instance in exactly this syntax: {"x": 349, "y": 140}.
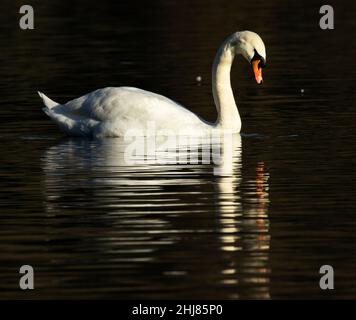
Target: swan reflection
{"x": 205, "y": 224}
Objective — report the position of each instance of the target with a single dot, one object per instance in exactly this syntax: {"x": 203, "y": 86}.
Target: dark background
{"x": 306, "y": 141}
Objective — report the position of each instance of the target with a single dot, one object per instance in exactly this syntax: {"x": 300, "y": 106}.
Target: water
{"x": 92, "y": 226}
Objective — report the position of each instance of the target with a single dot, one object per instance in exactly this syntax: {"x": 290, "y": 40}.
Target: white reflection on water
{"x": 254, "y": 266}
{"x": 145, "y": 200}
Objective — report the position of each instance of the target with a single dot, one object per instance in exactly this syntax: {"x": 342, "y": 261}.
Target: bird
{"x": 114, "y": 111}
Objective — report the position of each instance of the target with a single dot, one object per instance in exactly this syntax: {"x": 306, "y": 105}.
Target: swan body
{"x": 113, "y": 111}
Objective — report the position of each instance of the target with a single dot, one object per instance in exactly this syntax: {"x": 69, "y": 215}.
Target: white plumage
{"x": 111, "y": 112}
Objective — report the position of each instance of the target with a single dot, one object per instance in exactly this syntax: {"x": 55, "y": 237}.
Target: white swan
{"x": 110, "y": 112}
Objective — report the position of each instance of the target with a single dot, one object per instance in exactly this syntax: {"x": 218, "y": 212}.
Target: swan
{"x": 112, "y": 111}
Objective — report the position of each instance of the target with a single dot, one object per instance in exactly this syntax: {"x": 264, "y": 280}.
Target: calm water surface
{"x": 93, "y": 226}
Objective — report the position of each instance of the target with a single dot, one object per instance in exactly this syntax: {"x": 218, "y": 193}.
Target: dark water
{"x": 93, "y": 227}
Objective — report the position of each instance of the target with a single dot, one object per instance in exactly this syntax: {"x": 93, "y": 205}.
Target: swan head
{"x": 250, "y": 45}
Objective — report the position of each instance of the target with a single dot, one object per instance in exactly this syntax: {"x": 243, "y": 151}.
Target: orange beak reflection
{"x": 257, "y": 71}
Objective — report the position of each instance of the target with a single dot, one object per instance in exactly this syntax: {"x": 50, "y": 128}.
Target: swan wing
{"x": 112, "y": 111}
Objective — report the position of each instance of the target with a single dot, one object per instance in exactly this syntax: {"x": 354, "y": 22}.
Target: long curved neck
{"x": 228, "y": 115}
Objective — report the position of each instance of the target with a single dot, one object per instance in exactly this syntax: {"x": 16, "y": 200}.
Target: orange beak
{"x": 257, "y": 71}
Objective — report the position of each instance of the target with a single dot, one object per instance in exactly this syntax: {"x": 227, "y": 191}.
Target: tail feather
{"x": 47, "y": 101}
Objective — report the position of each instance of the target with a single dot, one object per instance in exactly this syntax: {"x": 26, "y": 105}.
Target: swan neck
{"x": 228, "y": 115}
